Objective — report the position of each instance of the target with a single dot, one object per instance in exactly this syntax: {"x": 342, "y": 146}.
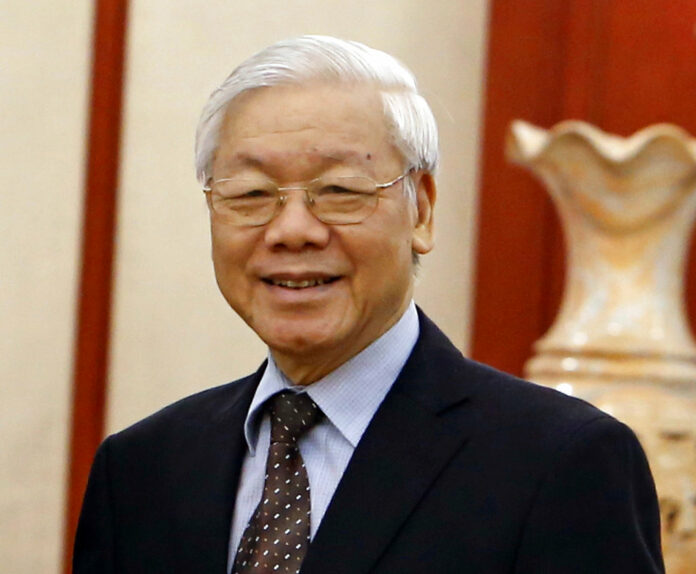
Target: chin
{"x": 297, "y": 336}
{"x": 302, "y": 342}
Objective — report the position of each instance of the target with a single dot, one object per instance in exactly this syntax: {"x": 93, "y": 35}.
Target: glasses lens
{"x": 245, "y": 201}
{"x": 343, "y": 200}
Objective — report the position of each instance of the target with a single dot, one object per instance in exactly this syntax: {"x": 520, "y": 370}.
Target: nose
{"x": 295, "y": 227}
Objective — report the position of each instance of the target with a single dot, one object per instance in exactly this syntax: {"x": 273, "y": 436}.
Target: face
{"x": 317, "y": 294}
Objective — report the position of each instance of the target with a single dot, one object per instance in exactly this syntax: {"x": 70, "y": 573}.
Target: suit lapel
{"x": 208, "y": 485}
{"x": 420, "y": 425}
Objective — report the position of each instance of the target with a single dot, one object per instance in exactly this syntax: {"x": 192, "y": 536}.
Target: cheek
{"x": 383, "y": 263}
{"x": 230, "y": 254}
{"x": 221, "y": 254}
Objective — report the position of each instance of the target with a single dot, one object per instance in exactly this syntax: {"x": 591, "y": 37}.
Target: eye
{"x": 253, "y": 193}
{"x": 342, "y": 186}
{"x": 234, "y": 190}
{"x": 336, "y": 190}
{"x": 349, "y": 185}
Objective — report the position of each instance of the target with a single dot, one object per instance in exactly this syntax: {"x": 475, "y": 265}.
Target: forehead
{"x": 316, "y": 123}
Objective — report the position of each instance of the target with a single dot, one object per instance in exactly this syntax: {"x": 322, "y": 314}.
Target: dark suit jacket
{"x": 463, "y": 469}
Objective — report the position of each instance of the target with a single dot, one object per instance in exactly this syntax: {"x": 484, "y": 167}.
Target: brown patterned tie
{"x": 277, "y": 536}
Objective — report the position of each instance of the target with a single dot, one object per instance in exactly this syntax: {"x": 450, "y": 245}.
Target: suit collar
{"x": 420, "y": 425}
{"x": 435, "y": 371}
{"x": 209, "y": 481}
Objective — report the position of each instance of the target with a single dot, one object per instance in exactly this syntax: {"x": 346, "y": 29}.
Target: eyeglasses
{"x": 336, "y": 200}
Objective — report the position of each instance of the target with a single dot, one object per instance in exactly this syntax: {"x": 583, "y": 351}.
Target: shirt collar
{"x": 350, "y": 395}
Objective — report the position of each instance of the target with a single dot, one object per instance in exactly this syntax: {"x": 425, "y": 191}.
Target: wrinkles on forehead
{"x": 270, "y": 162}
{"x": 294, "y": 133}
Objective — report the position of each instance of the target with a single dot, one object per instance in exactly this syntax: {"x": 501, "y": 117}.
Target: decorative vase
{"x": 621, "y": 339}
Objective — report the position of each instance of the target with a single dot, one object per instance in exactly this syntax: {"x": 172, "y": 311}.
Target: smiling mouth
{"x": 300, "y": 284}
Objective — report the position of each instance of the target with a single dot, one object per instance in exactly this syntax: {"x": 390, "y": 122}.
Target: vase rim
{"x": 526, "y": 141}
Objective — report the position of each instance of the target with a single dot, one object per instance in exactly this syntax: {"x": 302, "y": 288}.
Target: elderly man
{"x": 366, "y": 442}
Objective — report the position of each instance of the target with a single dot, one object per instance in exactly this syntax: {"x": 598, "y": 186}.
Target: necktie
{"x": 277, "y": 536}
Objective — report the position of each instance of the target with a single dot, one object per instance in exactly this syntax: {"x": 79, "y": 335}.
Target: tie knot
{"x": 292, "y": 415}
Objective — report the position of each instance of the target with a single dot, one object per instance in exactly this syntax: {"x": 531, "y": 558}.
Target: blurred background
{"x": 108, "y": 304}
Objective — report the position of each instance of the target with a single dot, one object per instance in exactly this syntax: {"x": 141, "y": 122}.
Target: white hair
{"x": 324, "y": 58}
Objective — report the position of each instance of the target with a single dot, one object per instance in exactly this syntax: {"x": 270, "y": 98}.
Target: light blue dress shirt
{"x": 348, "y": 396}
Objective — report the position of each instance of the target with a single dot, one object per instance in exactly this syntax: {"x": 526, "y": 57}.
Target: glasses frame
{"x": 281, "y": 198}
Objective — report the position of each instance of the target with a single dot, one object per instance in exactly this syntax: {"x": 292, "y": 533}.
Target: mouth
{"x": 300, "y": 283}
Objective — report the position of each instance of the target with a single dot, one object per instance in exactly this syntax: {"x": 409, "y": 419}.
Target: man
{"x": 317, "y": 158}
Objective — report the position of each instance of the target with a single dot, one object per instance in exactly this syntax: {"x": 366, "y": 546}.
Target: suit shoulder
{"x": 438, "y": 375}
{"x": 519, "y": 398}
{"x": 191, "y": 411}
{"x": 501, "y": 407}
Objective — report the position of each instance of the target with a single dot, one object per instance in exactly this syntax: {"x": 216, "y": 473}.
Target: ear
{"x": 423, "y": 231}
{"x": 208, "y": 195}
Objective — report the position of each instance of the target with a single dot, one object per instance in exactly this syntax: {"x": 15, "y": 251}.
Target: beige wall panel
{"x": 44, "y": 69}
{"x": 173, "y": 333}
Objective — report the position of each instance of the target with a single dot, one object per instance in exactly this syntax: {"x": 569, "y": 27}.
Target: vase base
{"x": 579, "y": 368}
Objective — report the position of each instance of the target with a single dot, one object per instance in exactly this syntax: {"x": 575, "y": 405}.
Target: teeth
{"x": 299, "y": 284}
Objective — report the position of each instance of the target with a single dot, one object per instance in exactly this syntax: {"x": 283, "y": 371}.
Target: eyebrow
{"x": 327, "y": 158}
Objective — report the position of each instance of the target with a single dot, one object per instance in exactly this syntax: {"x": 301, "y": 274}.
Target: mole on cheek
{"x": 368, "y": 156}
